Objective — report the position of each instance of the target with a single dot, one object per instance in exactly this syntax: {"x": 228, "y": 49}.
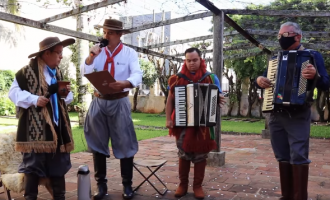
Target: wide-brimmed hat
{"x": 113, "y": 24}
{"x": 50, "y": 42}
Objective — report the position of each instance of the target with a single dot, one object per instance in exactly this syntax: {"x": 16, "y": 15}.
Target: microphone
{"x": 103, "y": 43}
{"x": 53, "y": 88}
{"x": 47, "y": 95}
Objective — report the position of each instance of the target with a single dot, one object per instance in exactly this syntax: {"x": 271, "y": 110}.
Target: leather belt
{"x": 111, "y": 96}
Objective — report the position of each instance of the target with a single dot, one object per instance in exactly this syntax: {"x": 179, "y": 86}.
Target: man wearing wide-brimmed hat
{"x": 44, "y": 133}
{"x": 109, "y": 116}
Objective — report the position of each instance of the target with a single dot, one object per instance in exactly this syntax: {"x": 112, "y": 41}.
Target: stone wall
{"x": 145, "y": 104}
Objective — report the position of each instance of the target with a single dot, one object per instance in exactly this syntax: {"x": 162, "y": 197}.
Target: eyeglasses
{"x": 58, "y": 53}
{"x": 286, "y": 34}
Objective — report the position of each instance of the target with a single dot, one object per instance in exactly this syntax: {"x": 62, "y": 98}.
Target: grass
{"x": 141, "y": 134}
{"x": 144, "y": 119}
{"x": 156, "y": 120}
{"x": 8, "y": 121}
{"x": 242, "y": 127}
{"x": 73, "y": 116}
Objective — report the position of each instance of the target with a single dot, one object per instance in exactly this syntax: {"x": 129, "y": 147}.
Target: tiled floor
{"x": 250, "y": 172}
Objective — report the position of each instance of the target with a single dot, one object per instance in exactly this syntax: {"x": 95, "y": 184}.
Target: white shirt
{"x": 127, "y": 65}
{"x": 25, "y": 99}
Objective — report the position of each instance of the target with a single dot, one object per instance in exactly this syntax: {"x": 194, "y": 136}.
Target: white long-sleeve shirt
{"x": 25, "y": 99}
{"x": 127, "y": 65}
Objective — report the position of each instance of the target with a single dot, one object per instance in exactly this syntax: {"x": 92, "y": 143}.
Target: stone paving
{"x": 250, "y": 172}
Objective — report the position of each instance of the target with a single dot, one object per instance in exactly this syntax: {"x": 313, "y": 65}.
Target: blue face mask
{"x": 286, "y": 42}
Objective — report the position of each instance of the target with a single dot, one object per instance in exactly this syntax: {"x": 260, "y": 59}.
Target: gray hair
{"x": 295, "y": 26}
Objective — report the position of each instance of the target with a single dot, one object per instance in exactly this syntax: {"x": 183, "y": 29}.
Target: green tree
{"x": 148, "y": 78}
{"x": 7, "y": 107}
{"x": 6, "y": 79}
{"x": 253, "y": 66}
{"x": 164, "y": 72}
{"x": 7, "y": 35}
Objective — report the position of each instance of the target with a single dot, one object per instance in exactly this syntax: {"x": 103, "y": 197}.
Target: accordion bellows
{"x": 289, "y": 87}
{"x": 196, "y": 104}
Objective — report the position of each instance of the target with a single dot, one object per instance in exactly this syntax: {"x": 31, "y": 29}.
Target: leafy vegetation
{"x": 7, "y": 107}
{"x": 252, "y": 67}
{"x": 153, "y": 125}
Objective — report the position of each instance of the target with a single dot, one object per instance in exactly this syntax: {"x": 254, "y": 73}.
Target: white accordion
{"x": 196, "y": 104}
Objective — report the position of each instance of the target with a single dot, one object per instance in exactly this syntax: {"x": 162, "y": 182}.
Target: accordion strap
{"x": 190, "y": 81}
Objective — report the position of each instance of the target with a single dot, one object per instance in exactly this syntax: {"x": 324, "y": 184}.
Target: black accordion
{"x": 196, "y": 104}
{"x": 289, "y": 88}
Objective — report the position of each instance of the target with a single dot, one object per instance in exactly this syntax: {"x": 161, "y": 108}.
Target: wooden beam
{"x": 47, "y": 27}
{"x": 203, "y": 51}
{"x": 232, "y": 47}
{"x": 206, "y": 37}
{"x": 279, "y": 13}
{"x": 170, "y": 21}
{"x": 209, "y": 5}
{"x": 80, "y": 10}
{"x": 274, "y": 33}
{"x": 154, "y": 53}
{"x": 242, "y": 55}
{"x": 319, "y": 46}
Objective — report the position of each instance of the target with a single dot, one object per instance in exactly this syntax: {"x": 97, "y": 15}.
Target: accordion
{"x": 289, "y": 88}
{"x": 196, "y": 104}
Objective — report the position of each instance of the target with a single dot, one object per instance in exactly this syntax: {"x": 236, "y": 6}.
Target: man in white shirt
{"x": 44, "y": 134}
{"x": 109, "y": 116}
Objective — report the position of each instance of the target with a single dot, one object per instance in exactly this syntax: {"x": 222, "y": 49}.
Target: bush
{"x": 6, "y": 79}
{"x": 7, "y": 107}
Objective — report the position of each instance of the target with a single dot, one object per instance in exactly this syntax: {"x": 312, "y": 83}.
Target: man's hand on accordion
{"x": 264, "y": 82}
{"x": 309, "y": 72}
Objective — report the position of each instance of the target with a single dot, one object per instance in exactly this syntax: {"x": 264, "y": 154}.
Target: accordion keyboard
{"x": 303, "y": 81}
{"x": 269, "y": 92}
{"x": 180, "y": 106}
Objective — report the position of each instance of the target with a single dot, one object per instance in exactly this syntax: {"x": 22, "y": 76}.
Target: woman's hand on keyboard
{"x": 169, "y": 124}
{"x": 264, "y": 82}
{"x": 222, "y": 101}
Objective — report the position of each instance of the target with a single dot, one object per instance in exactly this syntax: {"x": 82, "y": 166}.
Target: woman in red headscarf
{"x": 194, "y": 143}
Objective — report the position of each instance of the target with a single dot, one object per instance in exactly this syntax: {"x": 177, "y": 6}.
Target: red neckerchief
{"x": 110, "y": 60}
{"x": 199, "y": 73}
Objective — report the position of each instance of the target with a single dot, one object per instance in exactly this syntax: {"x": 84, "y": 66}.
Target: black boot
{"x": 300, "y": 181}
{"x": 31, "y": 182}
{"x": 58, "y": 185}
{"x": 100, "y": 168}
{"x": 126, "y": 168}
{"x": 286, "y": 177}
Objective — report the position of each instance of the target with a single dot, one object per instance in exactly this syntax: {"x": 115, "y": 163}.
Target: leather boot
{"x": 126, "y": 168}
{"x": 199, "y": 172}
{"x": 100, "y": 168}
{"x": 31, "y": 182}
{"x": 286, "y": 180}
{"x": 58, "y": 185}
{"x": 184, "y": 168}
{"x": 300, "y": 181}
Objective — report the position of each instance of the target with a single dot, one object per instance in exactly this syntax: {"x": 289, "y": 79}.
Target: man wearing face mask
{"x": 290, "y": 127}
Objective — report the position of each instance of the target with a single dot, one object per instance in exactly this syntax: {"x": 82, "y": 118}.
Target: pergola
{"x": 219, "y": 19}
